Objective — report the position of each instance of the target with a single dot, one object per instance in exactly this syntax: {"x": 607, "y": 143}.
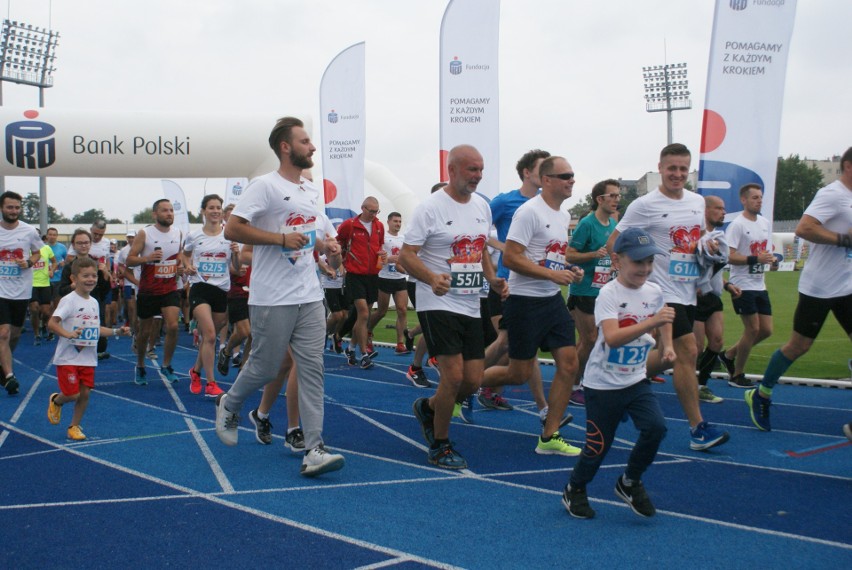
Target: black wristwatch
{"x": 29, "y": 263}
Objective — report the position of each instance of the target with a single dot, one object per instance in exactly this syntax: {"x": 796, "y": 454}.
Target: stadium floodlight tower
{"x": 666, "y": 89}
{"x": 27, "y": 54}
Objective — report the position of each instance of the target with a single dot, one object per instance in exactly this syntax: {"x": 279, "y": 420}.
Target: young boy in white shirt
{"x": 77, "y": 324}
{"x": 628, "y": 308}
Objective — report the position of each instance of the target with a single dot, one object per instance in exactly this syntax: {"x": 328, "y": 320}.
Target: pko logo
{"x": 455, "y": 66}
{"x": 237, "y": 189}
{"x": 332, "y": 117}
{"x": 177, "y": 206}
{"x": 30, "y": 144}
{"x": 739, "y": 4}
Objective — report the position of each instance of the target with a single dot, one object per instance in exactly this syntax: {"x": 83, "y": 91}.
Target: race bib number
{"x": 38, "y": 265}
{"x": 554, "y": 261}
{"x": 683, "y": 267}
{"x": 602, "y": 274}
{"x": 756, "y": 269}
{"x": 465, "y": 278}
{"x": 486, "y": 288}
{"x": 9, "y": 270}
{"x": 627, "y": 359}
{"x": 165, "y": 269}
{"x": 89, "y": 336}
{"x": 210, "y": 266}
{"x": 310, "y": 231}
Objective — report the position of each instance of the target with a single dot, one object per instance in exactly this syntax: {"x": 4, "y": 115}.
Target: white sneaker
{"x": 227, "y": 423}
{"x": 318, "y": 461}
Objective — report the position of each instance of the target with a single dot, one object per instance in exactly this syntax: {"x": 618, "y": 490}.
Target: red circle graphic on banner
{"x": 31, "y": 114}
{"x": 713, "y": 131}
{"x": 330, "y": 190}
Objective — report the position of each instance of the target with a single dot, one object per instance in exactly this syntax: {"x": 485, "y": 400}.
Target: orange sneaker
{"x": 212, "y": 390}
{"x": 194, "y": 381}
{"x": 54, "y": 411}
{"x": 75, "y": 433}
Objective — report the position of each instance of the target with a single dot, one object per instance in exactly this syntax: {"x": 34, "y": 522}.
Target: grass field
{"x": 828, "y": 358}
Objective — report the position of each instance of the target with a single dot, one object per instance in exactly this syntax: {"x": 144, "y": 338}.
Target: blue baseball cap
{"x": 636, "y": 244}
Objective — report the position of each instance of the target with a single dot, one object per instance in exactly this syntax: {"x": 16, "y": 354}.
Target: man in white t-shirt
{"x": 443, "y": 250}
{"x": 19, "y": 250}
{"x": 280, "y": 215}
{"x": 392, "y": 283}
{"x": 750, "y": 239}
{"x": 824, "y": 285}
{"x": 534, "y": 314}
{"x": 674, "y": 218}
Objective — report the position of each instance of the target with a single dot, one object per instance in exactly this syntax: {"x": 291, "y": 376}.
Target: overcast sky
{"x": 570, "y": 77}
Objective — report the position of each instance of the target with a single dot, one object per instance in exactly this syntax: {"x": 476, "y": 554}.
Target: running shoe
{"x": 433, "y": 363}
{"x": 262, "y": 428}
{"x": 37, "y": 340}
{"x": 493, "y": 401}
{"x": 729, "y": 364}
{"x": 141, "y": 378}
{"x": 223, "y": 362}
{"x": 705, "y": 394}
{"x": 758, "y": 408}
{"x": 576, "y": 502}
{"x": 350, "y": 357}
{"x": 50, "y": 336}
{"x": 212, "y": 389}
{"x": 237, "y": 360}
{"x": 656, "y": 379}
{"x": 152, "y": 354}
{"x": 847, "y": 430}
{"x": 426, "y": 417}
{"x": 418, "y": 377}
{"x": 194, "y": 381}
{"x": 227, "y": 423}
{"x": 556, "y": 446}
{"x": 566, "y": 419}
{"x": 577, "y": 397}
{"x": 169, "y": 373}
{"x": 11, "y": 384}
{"x": 704, "y": 436}
{"x": 464, "y": 410}
{"x": 636, "y": 497}
{"x": 740, "y": 381}
{"x": 409, "y": 341}
{"x": 366, "y": 362}
{"x": 446, "y": 457}
{"x": 372, "y": 354}
{"x": 54, "y": 411}
{"x": 318, "y": 461}
{"x": 337, "y": 343}
{"x": 295, "y": 440}
{"x": 75, "y": 433}
{"x": 400, "y": 348}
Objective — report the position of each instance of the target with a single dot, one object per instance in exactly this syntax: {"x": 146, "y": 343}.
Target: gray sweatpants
{"x": 273, "y": 329}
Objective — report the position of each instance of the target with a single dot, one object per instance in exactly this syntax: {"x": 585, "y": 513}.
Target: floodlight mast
{"x": 666, "y": 89}
{"x": 27, "y": 54}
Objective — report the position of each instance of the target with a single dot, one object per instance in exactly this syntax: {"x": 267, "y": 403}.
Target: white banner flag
{"x": 234, "y": 190}
{"x": 174, "y": 194}
{"x": 745, "y": 91}
{"x": 343, "y": 133}
{"x": 470, "y": 114}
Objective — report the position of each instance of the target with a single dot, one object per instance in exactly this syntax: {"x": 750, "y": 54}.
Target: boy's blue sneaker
{"x": 758, "y": 408}
{"x": 169, "y": 373}
{"x": 704, "y": 436}
{"x": 447, "y": 457}
{"x": 141, "y": 378}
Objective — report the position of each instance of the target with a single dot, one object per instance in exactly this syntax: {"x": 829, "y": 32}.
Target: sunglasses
{"x": 563, "y": 176}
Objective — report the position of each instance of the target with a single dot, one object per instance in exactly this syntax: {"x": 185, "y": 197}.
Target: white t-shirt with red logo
{"x": 282, "y": 276}
{"x": 78, "y": 313}
{"x": 749, "y": 238}
{"x": 675, "y": 226}
{"x": 211, "y": 256}
{"x": 613, "y": 368}
{"x": 392, "y": 245}
{"x": 451, "y": 237}
{"x": 543, "y": 231}
{"x": 16, "y": 284}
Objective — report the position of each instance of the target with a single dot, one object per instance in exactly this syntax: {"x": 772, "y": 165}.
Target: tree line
{"x": 31, "y": 204}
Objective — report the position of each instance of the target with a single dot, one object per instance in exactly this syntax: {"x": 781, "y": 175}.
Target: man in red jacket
{"x": 361, "y": 239}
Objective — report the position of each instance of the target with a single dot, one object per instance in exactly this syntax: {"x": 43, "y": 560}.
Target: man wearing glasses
{"x": 588, "y": 250}
{"x": 19, "y": 250}
{"x": 362, "y": 239}
{"x": 534, "y": 314}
